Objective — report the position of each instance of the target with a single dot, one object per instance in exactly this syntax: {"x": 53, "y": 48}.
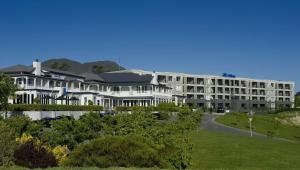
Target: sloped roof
{"x": 61, "y": 72}
{"x": 119, "y": 77}
{"x": 17, "y": 69}
{"x": 92, "y": 77}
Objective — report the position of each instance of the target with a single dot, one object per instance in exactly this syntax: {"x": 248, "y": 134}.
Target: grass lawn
{"x": 213, "y": 150}
{"x": 77, "y": 168}
{"x": 266, "y": 124}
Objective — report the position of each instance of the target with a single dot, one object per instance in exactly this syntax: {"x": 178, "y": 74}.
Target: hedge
{"x": 48, "y": 107}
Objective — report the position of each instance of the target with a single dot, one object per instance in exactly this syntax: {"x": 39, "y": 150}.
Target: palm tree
{"x": 7, "y": 89}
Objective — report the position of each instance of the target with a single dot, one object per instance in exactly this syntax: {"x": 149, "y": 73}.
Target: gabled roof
{"x": 92, "y": 77}
{"x": 17, "y": 69}
{"x": 119, "y": 77}
{"x": 61, "y": 72}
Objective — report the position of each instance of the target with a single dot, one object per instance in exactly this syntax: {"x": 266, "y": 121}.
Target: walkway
{"x": 209, "y": 123}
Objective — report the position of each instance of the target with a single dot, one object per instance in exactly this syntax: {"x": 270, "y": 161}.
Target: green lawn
{"x": 266, "y": 124}
{"x": 77, "y": 168}
{"x": 213, "y": 150}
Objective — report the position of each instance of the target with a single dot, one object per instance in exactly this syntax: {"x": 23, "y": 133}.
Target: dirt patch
{"x": 294, "y": 121}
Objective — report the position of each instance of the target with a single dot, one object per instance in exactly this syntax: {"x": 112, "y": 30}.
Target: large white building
{"x": 227, "y": 91}
{"x": 146, "y": 88}
{"x": 49, "y": 86}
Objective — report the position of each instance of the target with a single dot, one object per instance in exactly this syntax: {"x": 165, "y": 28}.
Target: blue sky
{"x": 255, "y": 38}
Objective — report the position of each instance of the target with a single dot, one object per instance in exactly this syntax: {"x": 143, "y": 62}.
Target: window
{"x": 85, "y": 100}
{"x": 170, "y": 78}
{"x": 178, "y": 78}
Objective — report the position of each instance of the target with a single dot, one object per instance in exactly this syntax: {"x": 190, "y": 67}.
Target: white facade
{"x": 228, "y": 92}
{"x": 61, "y": 88}
{"x": 148, "y": 89}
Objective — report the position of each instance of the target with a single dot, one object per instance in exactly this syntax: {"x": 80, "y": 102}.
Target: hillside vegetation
{"x": 75, "y": 67}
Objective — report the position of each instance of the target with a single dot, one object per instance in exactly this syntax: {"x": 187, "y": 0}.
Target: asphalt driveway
{"x": 208, "y": 123}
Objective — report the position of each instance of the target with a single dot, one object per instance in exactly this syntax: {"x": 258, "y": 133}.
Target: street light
{"x": 250, "y": 125}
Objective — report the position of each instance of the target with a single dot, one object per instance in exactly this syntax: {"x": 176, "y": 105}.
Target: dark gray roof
{"x": 92, "y": 77}
{"x": 124, "y": 77}
{"x": 17, "y": 69}
{"x": 61, "y": 72}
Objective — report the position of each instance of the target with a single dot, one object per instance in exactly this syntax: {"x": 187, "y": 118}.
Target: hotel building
{"x": 49, "y": 86}
{"x": 145, "y": 88}
{"x": 227, "y": 91}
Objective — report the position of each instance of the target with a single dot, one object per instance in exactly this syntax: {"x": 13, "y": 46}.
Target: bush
{"x": 116, "y": 151}
{"x": 71, "y": 132}
{"x": 48, "y": 107}
{"x": 60, "y": 153}
{"x": 23, "y": 124}
{"x": 170, "y": 107}
{"x": 32, "y": 154}
{"x": 7, "y": 144}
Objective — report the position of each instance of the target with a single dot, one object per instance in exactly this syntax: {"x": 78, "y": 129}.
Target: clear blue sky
{"x": 255, "y": 38}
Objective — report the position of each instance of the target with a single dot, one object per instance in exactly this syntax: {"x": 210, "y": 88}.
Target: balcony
{"x": 262, "y": 85}
{"x": 220, "y": 90}
{"x": 190, "y": 89}
{"x": 200, "y": 90}
{"x": 227, "y": 83}
{"x": 262, "y": 92}
{"x": 280, "y": 86}
{"x": 161, "y": 79}
{"x": 200, "y": 81}
{"x": 200, "y": 97}
{"x": 243, "y": 83}
{"x": 254, "y": 92}
{"x": 220, "y": 82}
{"x": 190, "y": 96}
{"x": 254, "y": 85}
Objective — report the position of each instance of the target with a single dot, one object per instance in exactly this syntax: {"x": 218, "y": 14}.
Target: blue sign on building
{"x": 228, "y": 75}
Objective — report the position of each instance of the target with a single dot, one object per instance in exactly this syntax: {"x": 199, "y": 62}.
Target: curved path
{"x": 208, "y": 123}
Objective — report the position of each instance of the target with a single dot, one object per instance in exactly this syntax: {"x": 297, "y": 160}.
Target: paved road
{"x": 209, "y": 123}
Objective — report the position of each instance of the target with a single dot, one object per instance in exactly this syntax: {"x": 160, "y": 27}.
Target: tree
{"x": 297, "y": 101}
{"x": 7, "y": 144}
{"x": 7, "y": 89}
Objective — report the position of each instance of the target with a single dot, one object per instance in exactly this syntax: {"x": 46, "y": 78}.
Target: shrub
{"x": 171, "y": 107}
{"x": 71, "y": 132}
{"x": 23, "y": 124}
{"x": 7, "y": 144}
{"x": 48, "y": 107}
{"x": 32, "y": 154}
{"x": 117, "y": 151}
{"x": 61, "y": 153}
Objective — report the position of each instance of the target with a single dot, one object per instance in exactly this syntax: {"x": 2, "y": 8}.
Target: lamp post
{"x": 250, "y": 125}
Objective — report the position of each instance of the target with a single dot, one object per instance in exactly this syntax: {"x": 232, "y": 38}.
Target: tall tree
{"x": 7, "y": 89}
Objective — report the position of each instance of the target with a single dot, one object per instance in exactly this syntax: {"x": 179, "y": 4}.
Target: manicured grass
{"x": 78, "y": 168}
{"x": 266, "y": 124}
{"x": 213, "y": 150}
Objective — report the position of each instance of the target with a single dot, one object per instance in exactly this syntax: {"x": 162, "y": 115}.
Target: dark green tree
{"x": 7, "y": 144}
{"x": 7, "y": 90}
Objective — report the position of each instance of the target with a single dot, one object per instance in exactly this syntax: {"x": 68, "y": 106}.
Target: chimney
{"x": 154, "y": 79}
{"x": 38, "y": 67}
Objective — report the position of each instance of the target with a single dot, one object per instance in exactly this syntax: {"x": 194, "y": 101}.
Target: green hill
{"x": 76, "y": 67}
